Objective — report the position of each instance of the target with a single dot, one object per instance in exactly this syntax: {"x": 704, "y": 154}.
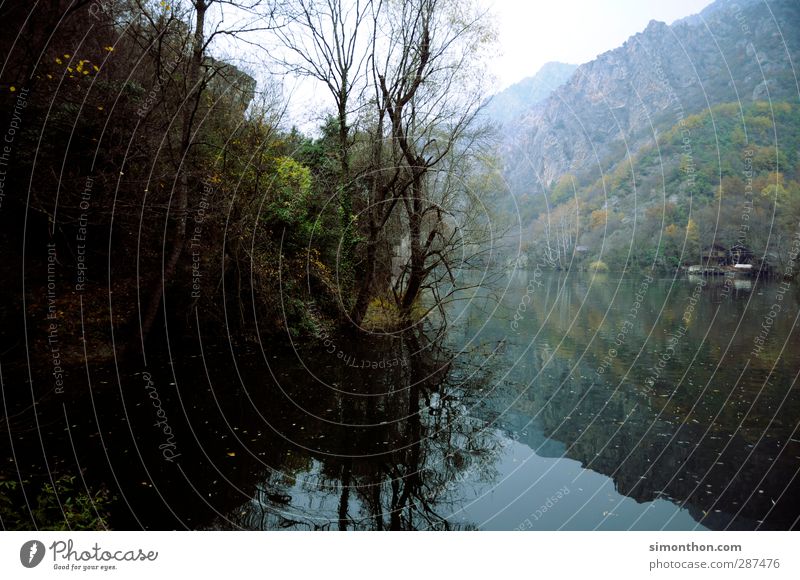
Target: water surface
{"x": 553, "y": 401}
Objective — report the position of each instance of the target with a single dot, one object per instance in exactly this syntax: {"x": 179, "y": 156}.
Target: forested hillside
{"x": 150, "y": 179}
{"x": 716, "y": 177}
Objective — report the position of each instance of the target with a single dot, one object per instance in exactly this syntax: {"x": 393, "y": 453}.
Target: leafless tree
{"x": 427, "y": 56}
{"x": 328, "y": 41}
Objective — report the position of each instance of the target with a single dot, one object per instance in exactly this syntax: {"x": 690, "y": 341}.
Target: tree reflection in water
{"x": 393, "y": 460}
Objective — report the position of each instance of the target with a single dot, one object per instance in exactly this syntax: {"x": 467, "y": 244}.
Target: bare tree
{"x": 427, "y": 63}
{"x": 410, "y": 75}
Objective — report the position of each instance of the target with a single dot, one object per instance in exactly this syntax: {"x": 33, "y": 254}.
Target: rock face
{"x": 613, "y": 105}
{"x": 509, "y": 104}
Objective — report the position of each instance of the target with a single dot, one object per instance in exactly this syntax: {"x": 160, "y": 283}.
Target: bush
{"x": 77, "y": 510}
{"x": 598, "y": 266}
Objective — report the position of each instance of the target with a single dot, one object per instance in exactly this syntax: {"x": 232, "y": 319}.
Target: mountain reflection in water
{"x": 567, "y": 420}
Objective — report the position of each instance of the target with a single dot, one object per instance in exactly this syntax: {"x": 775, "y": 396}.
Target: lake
{"x": 552, "y": 401}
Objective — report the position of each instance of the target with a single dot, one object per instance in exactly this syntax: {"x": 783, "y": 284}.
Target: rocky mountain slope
{"x": 616, "y": 104}
{"x": 511, "y": 103}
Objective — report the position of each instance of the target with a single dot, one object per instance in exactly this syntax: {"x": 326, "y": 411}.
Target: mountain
{"x": 510, "y": 103}
{"x": 613, "y": 106}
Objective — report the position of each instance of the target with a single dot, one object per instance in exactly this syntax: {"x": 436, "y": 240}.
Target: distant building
{"x": 715, "y": 255}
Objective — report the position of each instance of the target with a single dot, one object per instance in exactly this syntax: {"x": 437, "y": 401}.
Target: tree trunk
{"x": 365, "y": 286}
{"x": 417, "y": 274}
{"x": 345, "y": 200}
{"x": 378, "y": 216}
{"x": 186, "y": 164}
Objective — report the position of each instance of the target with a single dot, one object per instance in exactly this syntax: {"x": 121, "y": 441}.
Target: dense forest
{"x": 150, "y": 178}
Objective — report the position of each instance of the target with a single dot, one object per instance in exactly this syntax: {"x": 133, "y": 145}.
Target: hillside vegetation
{"x": 730, "y": 52}
{"x": 727, "y": 176}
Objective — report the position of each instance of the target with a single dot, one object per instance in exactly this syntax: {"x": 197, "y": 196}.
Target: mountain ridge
{"x": 504, "y": 106}
{"x": 615, "y": 104}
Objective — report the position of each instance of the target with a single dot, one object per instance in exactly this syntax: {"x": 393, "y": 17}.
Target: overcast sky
{"x": 533, "y": 32}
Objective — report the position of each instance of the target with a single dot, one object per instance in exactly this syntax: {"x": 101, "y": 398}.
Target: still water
{"x": 552, "y": 401}
{"x": 570, "y": 403}
{"x": 676, "y": 398}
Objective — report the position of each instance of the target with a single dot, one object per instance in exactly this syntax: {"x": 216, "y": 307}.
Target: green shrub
{"x": 78, "y": 510}
{"x": 598, "y": 266}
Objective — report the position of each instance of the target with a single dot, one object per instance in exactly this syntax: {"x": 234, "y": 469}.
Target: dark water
{"x": 551, "y": 402}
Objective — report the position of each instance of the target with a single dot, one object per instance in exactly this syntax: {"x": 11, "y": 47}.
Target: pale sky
{"x": 531, "y": 33}
{"x": 534, "y": 32}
